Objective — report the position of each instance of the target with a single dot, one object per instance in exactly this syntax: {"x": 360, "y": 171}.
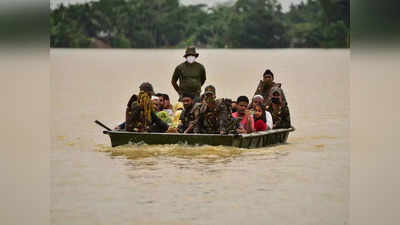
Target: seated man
{"x": 140, "y": 114}
{"x": 189, "y": 114}
{"x": 278, "y": 109}
{"x": 215, "y": 116}
{"x": 265, "y": 85}
{"x": 167, "y": 103}
{"x": 160, "y": 101}
{"x": 243, "y": 115}
{"x": 156, "y": 103}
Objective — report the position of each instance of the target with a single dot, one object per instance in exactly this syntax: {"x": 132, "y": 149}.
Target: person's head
{"x": 209, "y": 98}
{"x": 166, "y": 100}
{"x": 257, "y": 99}
{"x": 188, "y": 100}
{"x": 191, "y": 54}
{"x": 156, "y": 103}
{"x": 242, "y": 104}
{"x": 276, "y": 96}
{"x": 268, "y": 77}
{"x": 160, "y": 100}
{"x": 258, "y": 111}
{"x": 210, "y": 88}
{"x": 147, "y": 87}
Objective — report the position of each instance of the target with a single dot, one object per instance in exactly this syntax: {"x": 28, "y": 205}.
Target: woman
{"x": 260, "y": 120}
{"x": 258, "y": 99}
{"x": 278, "y": 109}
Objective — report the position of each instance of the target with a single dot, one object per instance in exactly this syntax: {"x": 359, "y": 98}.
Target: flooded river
{"x": 305, "y": 182}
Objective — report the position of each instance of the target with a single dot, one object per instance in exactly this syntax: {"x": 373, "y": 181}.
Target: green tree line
{"x": 169, "y": 24}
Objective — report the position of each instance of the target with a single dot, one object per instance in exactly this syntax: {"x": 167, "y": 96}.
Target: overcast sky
{"x": 285, "y": 3}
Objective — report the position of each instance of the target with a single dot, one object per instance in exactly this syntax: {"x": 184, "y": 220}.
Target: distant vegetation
{"x": 168, "y": 24}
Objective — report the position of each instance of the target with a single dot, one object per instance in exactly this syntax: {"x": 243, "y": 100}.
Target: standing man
{"x": 191, "y": 75}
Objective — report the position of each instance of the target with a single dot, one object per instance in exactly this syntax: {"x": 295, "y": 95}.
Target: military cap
{"x": 210, "y": 89}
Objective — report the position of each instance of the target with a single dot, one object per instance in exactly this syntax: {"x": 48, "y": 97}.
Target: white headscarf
{"x": 258, "y": 96}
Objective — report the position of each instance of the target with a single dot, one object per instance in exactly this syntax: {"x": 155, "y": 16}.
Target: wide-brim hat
{"x": 191, "y": 51}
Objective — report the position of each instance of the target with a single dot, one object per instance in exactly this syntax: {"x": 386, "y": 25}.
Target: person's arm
{"x": 190, "y": 127}
{"x": 249, "y": 122}
{"x": 175, "y": 78}
{"x": 223, "y": 118}
{"x": 259, "y": 88}
{"x": 196, "y": 121}
{"x": 283, "y": 96}
{"x": 285, "y": 119}
{"x": 203, "y": 75}
{"x": 121, "y": 126}
{"x": 182, "y": 126}
{"x": 157, "y": 124}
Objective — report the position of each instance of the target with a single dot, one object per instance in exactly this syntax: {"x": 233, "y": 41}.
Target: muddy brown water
{"x": 303, "y": 182}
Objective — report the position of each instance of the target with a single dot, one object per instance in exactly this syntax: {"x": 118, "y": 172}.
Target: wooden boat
{"x": 253, "y": 140}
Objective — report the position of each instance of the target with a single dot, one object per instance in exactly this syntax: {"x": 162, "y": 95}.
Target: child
{"x": 259, "y": 118}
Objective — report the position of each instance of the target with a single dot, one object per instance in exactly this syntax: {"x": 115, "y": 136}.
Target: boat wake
{"x": 210, "y": 153}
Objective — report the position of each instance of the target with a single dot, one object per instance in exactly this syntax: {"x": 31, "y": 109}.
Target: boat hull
{"x": 253, "y": 140}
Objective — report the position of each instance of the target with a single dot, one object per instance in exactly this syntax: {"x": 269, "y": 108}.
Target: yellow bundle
{"x": 178, "y": 108}
{"x": 144, "y": 100}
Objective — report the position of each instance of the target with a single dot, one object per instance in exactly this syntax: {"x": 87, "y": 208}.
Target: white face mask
{"x": 190, "y": 59}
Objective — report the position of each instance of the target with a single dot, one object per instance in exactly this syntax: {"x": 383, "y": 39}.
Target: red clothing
{"x": 260, "y": 126}
{"x": 243, "y": 122}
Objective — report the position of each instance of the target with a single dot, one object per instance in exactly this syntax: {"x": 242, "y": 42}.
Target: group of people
{"x": 198, "y": 112}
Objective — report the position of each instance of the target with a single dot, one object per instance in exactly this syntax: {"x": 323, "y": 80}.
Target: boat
{"x": 252, "y": 140}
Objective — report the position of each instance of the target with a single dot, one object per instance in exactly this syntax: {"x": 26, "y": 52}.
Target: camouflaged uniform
{"x": 135, "y": 121}
{"x": 281, "y": 118}
{"x": 188, "y": 116}
{"x": 265, "y": 91}
{"x": 217, "y": 119}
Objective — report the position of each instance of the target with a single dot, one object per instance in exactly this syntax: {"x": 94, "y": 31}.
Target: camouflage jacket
{"x": 135, "y": 120}
{"x": 280, "y": 119}
{"x": 216, "y": 119}
{"x": 187, "y": 117}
